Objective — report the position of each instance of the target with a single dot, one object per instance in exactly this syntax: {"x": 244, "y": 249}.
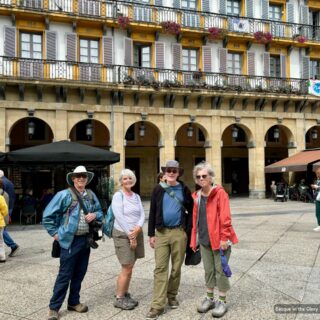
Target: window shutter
{"x": 283, "y": 66}
{"x": 265, "y": 9}
{"x": 159, "y": 55}
{"x": 176, "y": 4}
{"x": 222, "y": 6}
{"x": 290, "y": 12}
{"x": 266, "y": 64}
{"x": 128, "y": 57}
{"x": 304, "y": 15}
{"x": 107, "y": 50}
{"x": 158, "y": 2}
{"x": 223, "y": 60}
{"x": 176, "y": 56}
{"x": 251, "y": 63}
{"x": 51, "y": 45}
{"x": 9, "y": 41}
{"x": 71, "y": 47}
{"x": 205, "y": 6}
{"x": 305, "y": 67}
{"x": 250, "y": 10}
{"x": 207, "y": 59}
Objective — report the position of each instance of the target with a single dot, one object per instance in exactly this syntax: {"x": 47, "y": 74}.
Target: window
{"x": 275, "y": 69}
{"x": 142, "y": 55}
{"x": 234, "y": 7}
{"x": 315, "y": 69}
{"x": 89, "y": 50}
{"x": 189, "y": 4}
{"x": 275, "y": 12}
{"x": 314, "y": 18}
{"x": 189, "y": 59}
{"x": 31, "y": 46}
{"x": 234, "y": 63}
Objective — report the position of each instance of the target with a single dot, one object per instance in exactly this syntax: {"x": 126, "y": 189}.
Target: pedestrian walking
{"x": 213, "y": 230}
{"x": 316, "y": 187}
{"x": 170, "y": 220}
{"x": 127, "y": 236}
{"x": 66, "y": 222}
{"x": 3, "y": 214}
{"x": 8, "y": 187}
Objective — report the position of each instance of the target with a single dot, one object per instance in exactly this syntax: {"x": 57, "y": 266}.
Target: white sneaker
{"x": 317, "y": 228}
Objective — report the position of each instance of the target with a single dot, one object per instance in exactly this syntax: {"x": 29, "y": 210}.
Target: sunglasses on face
{"x": 80, "y": 175}
{"x": 203, "y": 176}
{"x": 171, "y": 170}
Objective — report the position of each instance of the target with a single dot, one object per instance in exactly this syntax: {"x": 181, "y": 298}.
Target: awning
{"x": 63, "y": 152}
{"x": 297, "y": 162}
{"x": 2, "y": 156}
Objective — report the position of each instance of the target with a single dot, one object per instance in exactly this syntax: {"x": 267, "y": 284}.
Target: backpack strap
{"x": 172, "y": 194}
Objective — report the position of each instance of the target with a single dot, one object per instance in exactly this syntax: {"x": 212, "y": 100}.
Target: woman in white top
{"x": 127, "y": 235}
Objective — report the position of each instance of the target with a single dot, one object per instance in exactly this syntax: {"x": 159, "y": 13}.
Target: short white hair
{"x": 203, "y": 165}
{"x": 129, "y": 173}
{"x": 1, "y": 173}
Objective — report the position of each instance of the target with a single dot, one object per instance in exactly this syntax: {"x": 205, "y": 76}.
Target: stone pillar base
{"x": 257, "y": 194}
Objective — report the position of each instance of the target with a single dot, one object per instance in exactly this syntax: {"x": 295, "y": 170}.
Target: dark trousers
{"x": 73, "y": 267}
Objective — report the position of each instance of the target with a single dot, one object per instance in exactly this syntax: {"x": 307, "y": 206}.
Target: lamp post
{"x": 276, "y": 133}
{"x": 190, "y": 131}
{"x": 235, "y": 132}
{"x": 31, "y": 128}
{"x": 142, "y": 129}
{"x": 89, "y": 130}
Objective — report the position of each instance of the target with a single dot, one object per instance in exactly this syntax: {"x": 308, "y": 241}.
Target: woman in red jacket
{"x": 212, "y": 229}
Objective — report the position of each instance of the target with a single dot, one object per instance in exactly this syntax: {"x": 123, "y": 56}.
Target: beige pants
{"x": 2, "y": 251}
{"x": 170, "y": 243}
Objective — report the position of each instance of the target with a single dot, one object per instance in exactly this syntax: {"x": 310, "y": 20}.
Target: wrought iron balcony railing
{"x": 150, "y": 14}
{"x": 48, "y": 70}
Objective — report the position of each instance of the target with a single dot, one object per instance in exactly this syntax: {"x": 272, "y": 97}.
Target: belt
{"x": 173, "y": 227}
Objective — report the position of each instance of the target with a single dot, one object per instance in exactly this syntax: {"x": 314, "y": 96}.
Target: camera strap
{"x": 82, "y": 206}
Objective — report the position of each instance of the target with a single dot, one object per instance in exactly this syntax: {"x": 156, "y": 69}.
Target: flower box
{"x": 123, "y": 22}
{"x": 171, "y": 27}
{"x": 263, "y": 37}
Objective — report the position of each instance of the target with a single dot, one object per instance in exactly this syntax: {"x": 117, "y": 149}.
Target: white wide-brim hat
{"x": 79, "y": 169}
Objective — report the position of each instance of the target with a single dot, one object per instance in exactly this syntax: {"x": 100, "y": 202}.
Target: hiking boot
{"x": 154, "y": 313}
{"x": 220, "y": 309}
{"x": 14, "y": 251}
{"x": 206, "y": 305}
{"x": 173, "y": 303}
{"x": 123, "y": 303}
{"x": 53, "y": 315}
{"x": 81, "y": 308}
{"x": 128, "y": 297}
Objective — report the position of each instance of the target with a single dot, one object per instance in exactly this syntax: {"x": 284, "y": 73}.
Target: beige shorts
{"x": 124, "y": 253}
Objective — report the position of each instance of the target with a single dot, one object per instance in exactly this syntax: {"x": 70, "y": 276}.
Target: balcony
{"x": 49, "y": 71}
{"x": 155, "y": 15}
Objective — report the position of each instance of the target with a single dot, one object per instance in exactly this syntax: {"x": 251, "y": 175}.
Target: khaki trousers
{"x": 169, "y": 243}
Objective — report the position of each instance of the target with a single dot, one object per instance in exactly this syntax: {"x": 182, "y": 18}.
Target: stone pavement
{"x": 277, "y": 261}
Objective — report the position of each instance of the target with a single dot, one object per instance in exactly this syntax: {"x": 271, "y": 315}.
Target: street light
{"x": 190, "y": 131}
{"x": 142, "y": 129}
{"x": 276, "y": 133}
{"x": 89, "y": 130}
{"x": 31, "y": 128}
{"x": 235, "y": 132}
{"x": 314, "y": 134}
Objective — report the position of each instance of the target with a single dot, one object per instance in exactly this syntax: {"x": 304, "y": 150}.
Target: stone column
{"x": 61, "y": 127}
{"x": 168, "y": 151}
{"x": 256, "y": 160}
{"x": 213, "y": 154}
{"x": 118, "y": 146}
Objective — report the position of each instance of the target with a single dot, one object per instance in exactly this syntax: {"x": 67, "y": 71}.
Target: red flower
{"x": 171, "y": 27}
{"x": 123, "y": 22}
{"x": 263, "y": 37}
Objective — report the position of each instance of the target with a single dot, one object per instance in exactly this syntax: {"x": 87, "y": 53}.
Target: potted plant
{"x": 215, "y": 33}
{"x": 123, "y": 22}
{"x": 171, "y": 27}
{"x": 263, "y": 37}
{"x": 300, "y": 38}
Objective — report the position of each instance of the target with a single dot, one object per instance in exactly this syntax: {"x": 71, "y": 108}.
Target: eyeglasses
{"x": 80, "y": 175}
{"x": 171, "y": 170}
{"x": 203, "y": 176}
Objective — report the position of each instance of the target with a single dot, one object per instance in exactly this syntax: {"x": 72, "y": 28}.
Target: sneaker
{"x": 173, "y": 303}
{"x": 3, "y": 261}
{"x": 220, "y": 309}
{"x": 53, "y": 315}
{"x": 14, "y": 251}
{"x": 123, "y": 303}
{"x": 206, "y": 305}
{"x": 81, "y": 308}
{"x": 154, "y": 313}
{"x": 128, "y": 297}
{"x": 317, "y": 228}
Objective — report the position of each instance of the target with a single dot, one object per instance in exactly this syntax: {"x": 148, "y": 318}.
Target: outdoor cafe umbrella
{"x": 2, "y": 156}
{"x": 64, "y": 152}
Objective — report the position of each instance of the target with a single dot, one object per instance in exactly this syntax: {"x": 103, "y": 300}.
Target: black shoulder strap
{"x": 82, "y": 206}
{"x": 172, "y": 194}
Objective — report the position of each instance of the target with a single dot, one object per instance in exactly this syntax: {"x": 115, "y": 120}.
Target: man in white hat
{"x": 170, "y": 220}
{"x": 67, "y": 223}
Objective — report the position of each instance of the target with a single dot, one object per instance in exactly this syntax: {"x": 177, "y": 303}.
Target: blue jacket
{"x": 62, "y": 216}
